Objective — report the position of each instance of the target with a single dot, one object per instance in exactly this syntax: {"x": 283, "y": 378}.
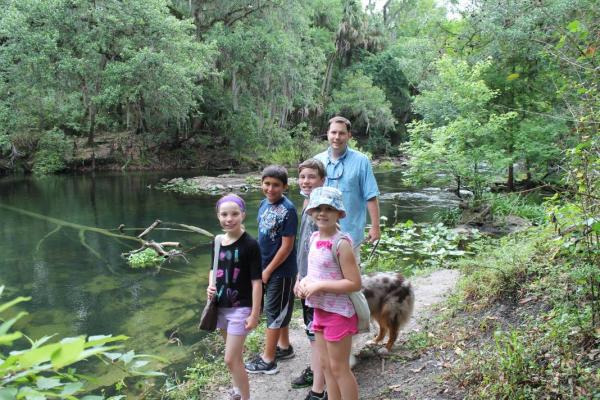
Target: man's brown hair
{"x": 315, "y": 164}
{"x": 341, "y": 120}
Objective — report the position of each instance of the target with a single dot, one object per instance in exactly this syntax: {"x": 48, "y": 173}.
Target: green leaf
{"x": 31, "y": 394}
{"x": 8, "y": 393}
{"x": 47, "y": 383}
{"x": 37, "y": 356}
{"x": 70, "y": 351}
{"x": 574, "y": 26}
{"x": 512, "y": 77}
{"x": 103, "y": 339}
{"x": 127, "y": 357}
{"x": 10, "y": 338}
{"x": 71, "y": 388}
{"x": 7, "y": 324}
{"x": 11, "y": 303}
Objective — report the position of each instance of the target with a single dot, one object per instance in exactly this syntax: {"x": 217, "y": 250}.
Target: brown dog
{"x": 391, "y": 301}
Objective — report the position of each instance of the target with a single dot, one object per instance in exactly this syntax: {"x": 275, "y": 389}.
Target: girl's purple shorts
{"x": 233, "y": 320}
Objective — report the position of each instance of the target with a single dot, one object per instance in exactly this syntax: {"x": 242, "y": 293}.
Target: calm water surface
{"x": 77, "y": 292}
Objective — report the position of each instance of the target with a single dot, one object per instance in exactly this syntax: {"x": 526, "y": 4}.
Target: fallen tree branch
{"x": 158, "y": 247}
{"x": 150, "y": 228}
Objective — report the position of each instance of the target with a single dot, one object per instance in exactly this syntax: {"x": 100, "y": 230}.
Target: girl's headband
{"x": 234, "y": 199}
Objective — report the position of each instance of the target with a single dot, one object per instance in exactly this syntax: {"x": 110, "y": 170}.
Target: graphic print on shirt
{"x": 232, "y": 295}
{"x": 271, "y": 221}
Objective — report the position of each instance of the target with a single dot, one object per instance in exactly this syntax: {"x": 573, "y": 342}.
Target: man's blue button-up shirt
{"x": 353, "y": 175}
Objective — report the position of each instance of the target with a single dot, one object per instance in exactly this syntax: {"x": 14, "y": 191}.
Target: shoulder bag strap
{"x": 216, "y": 258}
{"x": 334, "y": 250}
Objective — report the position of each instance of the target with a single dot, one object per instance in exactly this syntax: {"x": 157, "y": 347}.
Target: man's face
{"x": 338, "y": 136}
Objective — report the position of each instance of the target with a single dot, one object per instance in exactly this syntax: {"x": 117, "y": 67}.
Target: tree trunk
{"x": 328, "y": 73}
{"x": 510, "y": 182}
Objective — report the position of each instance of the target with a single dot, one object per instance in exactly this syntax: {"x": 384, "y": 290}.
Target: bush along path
{"x": 406, "y": 368}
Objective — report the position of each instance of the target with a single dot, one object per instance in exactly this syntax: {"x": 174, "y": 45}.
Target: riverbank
{"x": 126, "y": 151}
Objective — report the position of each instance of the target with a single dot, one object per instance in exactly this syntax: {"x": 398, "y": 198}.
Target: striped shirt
{"x": 322, "y": 266}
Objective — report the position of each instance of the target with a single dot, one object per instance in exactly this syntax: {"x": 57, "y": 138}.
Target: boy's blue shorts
{"x": 279, "y": 301}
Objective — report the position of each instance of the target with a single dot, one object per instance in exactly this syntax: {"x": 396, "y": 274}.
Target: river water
{"x": 78, "y": 290}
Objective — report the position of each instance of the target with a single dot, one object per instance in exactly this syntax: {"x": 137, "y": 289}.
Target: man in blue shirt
{"x": 350, "y": 171}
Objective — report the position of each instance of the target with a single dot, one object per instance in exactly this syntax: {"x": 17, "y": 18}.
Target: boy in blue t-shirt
{"x": 277, "y": 225}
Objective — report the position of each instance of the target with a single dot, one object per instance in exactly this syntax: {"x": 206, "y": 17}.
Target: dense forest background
{"x": 470, "y": 90}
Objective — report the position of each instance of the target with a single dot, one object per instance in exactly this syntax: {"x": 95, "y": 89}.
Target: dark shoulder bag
{"x": 208, "y": 319}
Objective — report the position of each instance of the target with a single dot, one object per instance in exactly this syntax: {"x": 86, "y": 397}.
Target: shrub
{"x": 50, "y": 155}
{"x": 45, "y": 369}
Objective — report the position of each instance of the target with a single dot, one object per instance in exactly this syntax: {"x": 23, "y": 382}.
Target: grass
{"x": 505, "y": 204}
{"x": 546, "y": 345}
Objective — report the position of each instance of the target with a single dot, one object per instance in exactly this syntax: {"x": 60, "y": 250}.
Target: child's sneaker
{"x": 260, "y": 366}
{"x": 304, "y": 380}
{"x": 314, "y": 396}
{"x": 284, "y": 354}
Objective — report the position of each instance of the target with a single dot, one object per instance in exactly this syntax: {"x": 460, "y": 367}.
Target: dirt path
{"x": 378, "y": 378}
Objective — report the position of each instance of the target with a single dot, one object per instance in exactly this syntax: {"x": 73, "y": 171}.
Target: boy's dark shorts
{"x": 308, "y": 314}
{"x": 279, "y": 301}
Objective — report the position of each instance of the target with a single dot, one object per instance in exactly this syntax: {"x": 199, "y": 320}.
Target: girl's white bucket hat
{"x": 326, "y": 195}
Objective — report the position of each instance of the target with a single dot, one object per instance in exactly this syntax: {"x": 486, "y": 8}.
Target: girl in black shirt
{"x": 238, "y": 288}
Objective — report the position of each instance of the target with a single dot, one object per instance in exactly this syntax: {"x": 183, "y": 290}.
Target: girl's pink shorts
{"x": 334, "y": 326}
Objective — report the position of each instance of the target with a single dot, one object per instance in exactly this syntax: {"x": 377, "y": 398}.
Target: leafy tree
{"x": 458, "y": 135}
{"x": 50, "y": 157}
{"x": 271, "y": 69}
{"x": 77, "y": 65}
{"x": 515, "y": 34}
{"x": 386, "y": 72}
{"x": 367, "y": 106}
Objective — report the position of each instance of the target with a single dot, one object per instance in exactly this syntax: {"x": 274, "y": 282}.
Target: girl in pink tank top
{"x": 326, "y": 289}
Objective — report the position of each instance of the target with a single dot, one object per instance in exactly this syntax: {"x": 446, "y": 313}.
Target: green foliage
{"x": 146, "y": 258}
{"x": 458, "y": 135}
{"x": 545, "y": 351}
{"x": 297, "y": 147}
{"x": 448, "y": 216}
{"x": 72, "y": 64}
{"x": 207, "y": 370}
{"x": 50, "y": 155}
{"x": 366, "y": 105}
{"x": 495, "y": 271}
{"x": 505, "y": 204}
{"x": 45, "y": 369}
{"x": 410, "y": 246}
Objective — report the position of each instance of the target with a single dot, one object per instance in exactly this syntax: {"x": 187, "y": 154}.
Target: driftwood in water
{"x": 119, "y": 235}
{"x": 159, "y": 248}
